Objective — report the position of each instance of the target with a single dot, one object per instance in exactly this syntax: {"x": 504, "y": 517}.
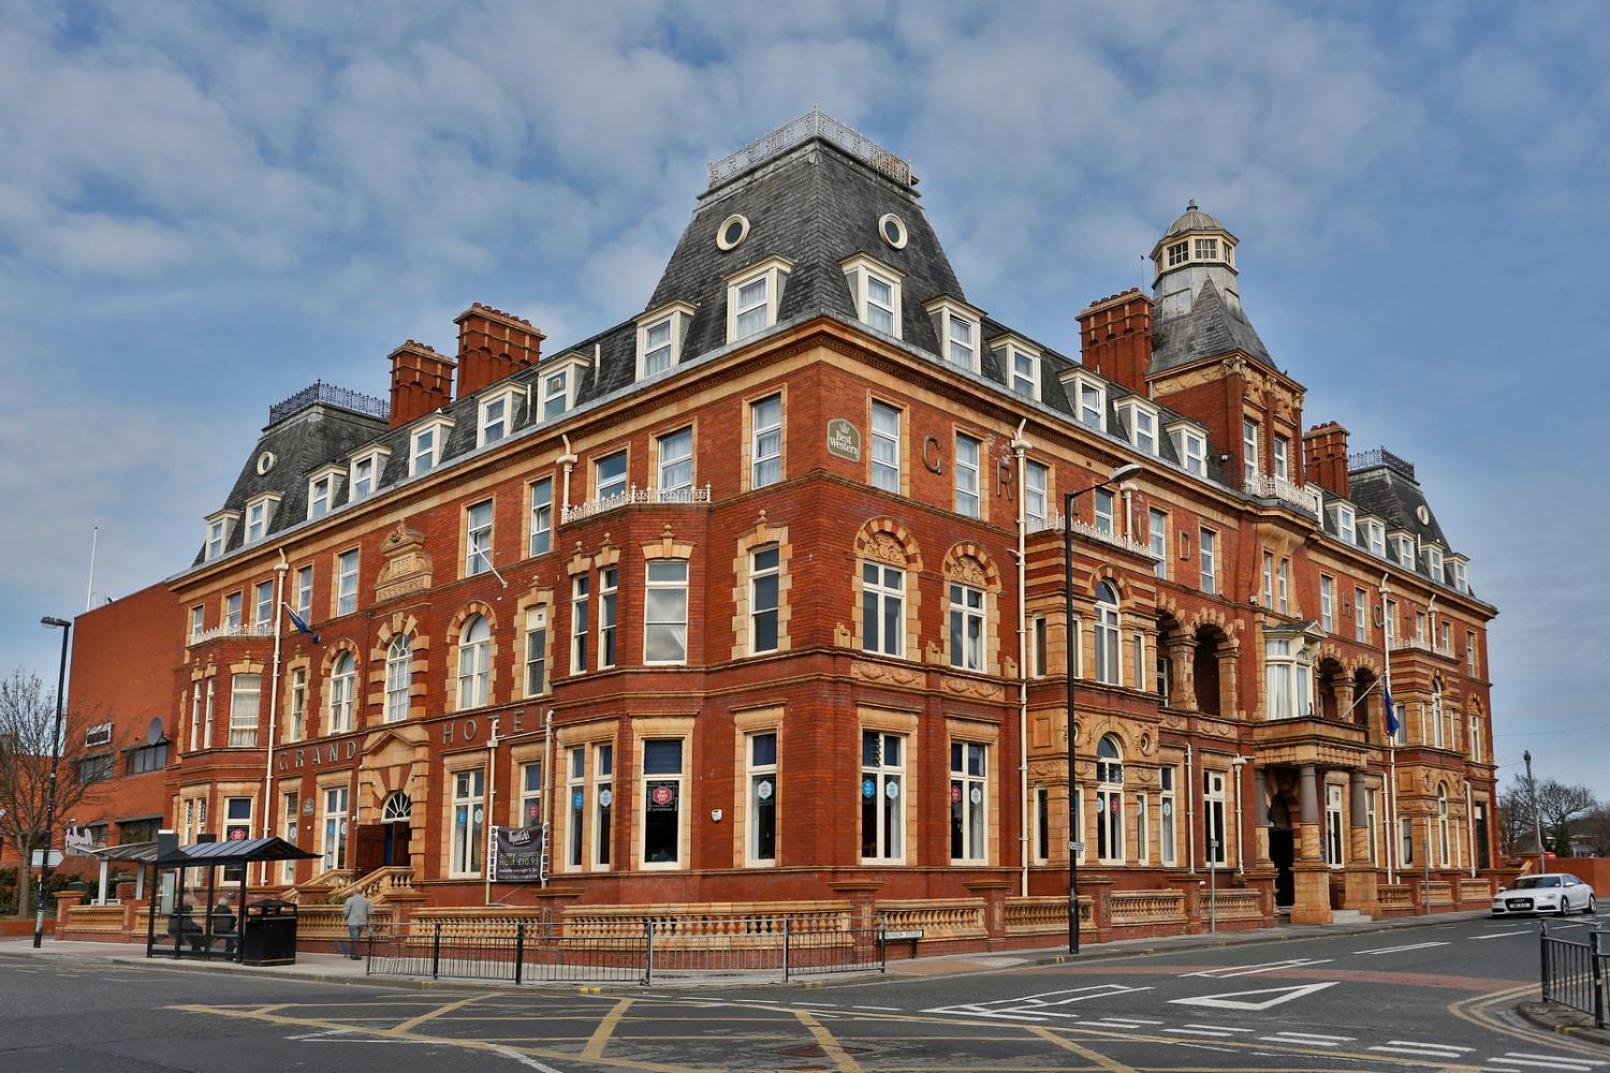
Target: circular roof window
{"x": 1423, "y": 514}
{"x": 734, "y": 229}
{"x": 893, "y": 230}
{"x": 265, "y": 462}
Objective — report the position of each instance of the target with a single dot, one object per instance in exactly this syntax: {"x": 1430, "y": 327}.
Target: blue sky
{"x": 204, "y": 209}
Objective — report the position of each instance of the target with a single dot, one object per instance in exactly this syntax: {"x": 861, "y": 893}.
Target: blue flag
{"x": 1391, "y": 711}
{"x": 301, "y": 627}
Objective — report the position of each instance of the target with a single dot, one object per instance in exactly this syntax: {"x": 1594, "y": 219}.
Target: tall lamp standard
{"x": 55, "y": 758}
{"x": 1122, "y": 473}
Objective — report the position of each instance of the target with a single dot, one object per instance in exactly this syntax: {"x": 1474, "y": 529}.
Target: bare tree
{"x": 1593, "y": 831}
{"x": 1515, "y": 819}
{"x": 27, "y": 722}
{"x": 1562, "y": 808}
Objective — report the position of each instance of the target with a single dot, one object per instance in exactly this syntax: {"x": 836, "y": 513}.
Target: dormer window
{"x": 1089, "y": 398}
{"x": 1434, "y": 562}
{"x": 427, "y": 445}
{"x": 321, "y": 490}
{"x": 219, "y": 527}
{"x": 875, "y": 289}
{"x": 1403, "y": 547}
{"x": 496, "y": 416}
{"x": 1375, "y": 536}
{"x": 1025, "y": 372}
{"x": 1191, "y": 445}
{"x": 364, "y": 476}
{"x": 1342, "y": 517}
{"x": 1141, "y": 420}
{"x": 259, "y": 516}
{"x": 957, "y": 327}
{"x": 659, "y": 338}
{"x": 1459, "y": 572}
{"x": 754, "y": 296}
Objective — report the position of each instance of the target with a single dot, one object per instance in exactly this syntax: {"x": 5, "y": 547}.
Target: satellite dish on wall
{"x": 153, "y": 733}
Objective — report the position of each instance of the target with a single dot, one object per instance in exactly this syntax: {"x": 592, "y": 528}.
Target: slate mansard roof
{"x": 815, "y": 200}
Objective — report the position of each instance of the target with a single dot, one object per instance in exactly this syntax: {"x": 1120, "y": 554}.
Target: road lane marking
{"x": 1215, "y": 1033}
{"x": 1401, "y": 949}
{"x": 1426, "y": 1050}
{"x": 1546, "y": 1060}
{"x": 606, "y": 1028}
{"x": 831, "y": 1047}
{"x": 1501, "y": 934}
{"x": 430, "y": 1015}
{"x": 1241, "y": 1000}
{"x": 1112, "y": 1065}
{"x": 1252, "y": 970}
{"x": 894, "y": 1009}
{"x": 1290, "y": 1038}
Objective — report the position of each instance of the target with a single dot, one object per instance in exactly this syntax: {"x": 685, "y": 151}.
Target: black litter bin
{"x": 268, "y": 934}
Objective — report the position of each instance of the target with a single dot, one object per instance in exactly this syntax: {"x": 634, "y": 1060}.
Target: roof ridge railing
{"x": 1380, "y": 456}
{"x": 814, "y": 124}
{"x": 330, "y": 395}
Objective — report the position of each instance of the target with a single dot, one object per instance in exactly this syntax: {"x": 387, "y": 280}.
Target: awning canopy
{"x": 129, "y": 851}
{"x": 234, "y": 852}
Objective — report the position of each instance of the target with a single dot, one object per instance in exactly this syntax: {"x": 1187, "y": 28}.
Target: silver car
{"x": 1551, "y": 892}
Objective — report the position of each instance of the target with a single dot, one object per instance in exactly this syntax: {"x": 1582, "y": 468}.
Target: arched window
{"x": 1437, "y": 716}
{"x": 399, "y": 677}
{"x": 1107, "y": 669}
{"x": 1444, "y": 846}
{"x": 397, "y": 808}
{"x": 343, "y": 682}
{"x": 1109, "y": 801}
{"x": 474, "y": 663}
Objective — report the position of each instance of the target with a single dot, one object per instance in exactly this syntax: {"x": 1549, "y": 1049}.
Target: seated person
{"x": 223, "y": 925}
{"x": 182, "y": 925}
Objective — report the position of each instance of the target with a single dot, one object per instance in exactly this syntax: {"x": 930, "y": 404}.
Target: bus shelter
{"x": 177, "y": 926}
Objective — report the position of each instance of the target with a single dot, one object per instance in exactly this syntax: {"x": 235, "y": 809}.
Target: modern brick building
{"x": 756, "y": 597}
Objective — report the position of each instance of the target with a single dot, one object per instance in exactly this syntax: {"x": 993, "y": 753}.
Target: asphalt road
{"x": 1407, "y": 1000}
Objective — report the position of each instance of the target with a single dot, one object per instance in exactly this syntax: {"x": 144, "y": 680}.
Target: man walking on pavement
{"x": 355, "y": 911}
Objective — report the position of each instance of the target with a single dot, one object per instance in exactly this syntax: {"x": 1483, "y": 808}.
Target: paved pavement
{"x": 1437, "y": 997}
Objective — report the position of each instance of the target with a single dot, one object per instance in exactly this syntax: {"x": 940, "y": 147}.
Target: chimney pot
{"x": 421, "y": 381}
{"x": 493, "y": 344}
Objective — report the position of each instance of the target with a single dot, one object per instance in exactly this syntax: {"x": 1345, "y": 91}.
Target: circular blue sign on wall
{"x": 869, "y": 788}
{"x": 575, "y": 801}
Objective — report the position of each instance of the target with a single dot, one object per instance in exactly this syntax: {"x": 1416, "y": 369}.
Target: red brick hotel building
{"x": 755, "y": 599}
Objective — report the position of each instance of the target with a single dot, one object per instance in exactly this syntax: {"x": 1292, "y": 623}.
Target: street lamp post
{"x": 55, "y": 759}
{"x": 1537, "y": 817}
{"x": 1121, "y": 473}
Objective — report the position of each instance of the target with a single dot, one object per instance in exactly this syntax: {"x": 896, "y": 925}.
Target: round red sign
{"x": 662, "y": 795}
{"x": 955, "y": 793}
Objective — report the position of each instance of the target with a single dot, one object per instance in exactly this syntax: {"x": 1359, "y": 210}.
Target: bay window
{"x": 665, "y": 611}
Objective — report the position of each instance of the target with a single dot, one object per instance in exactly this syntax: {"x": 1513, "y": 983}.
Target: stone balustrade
{"x": 1129, "y": 908}
{"x": 1395, "y": 896}
{"x": 936, "y": 918}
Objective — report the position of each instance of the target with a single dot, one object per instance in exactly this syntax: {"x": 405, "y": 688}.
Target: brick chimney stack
{"x": 1325, "y": 457}
{"x": 1115, "y": 338}
{"x": 491, "y": 345}
{"x": 421, "y": 381}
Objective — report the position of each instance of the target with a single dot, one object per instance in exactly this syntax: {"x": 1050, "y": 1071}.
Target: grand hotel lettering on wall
{"x": 453, "y": 732}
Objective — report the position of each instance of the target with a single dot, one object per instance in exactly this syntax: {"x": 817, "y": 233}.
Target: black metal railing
{"x": 638, "y": 952}
{"x": 330, "y": 395}
{"x": 1380, "y": 456}
{"x": 1577, "y": 974}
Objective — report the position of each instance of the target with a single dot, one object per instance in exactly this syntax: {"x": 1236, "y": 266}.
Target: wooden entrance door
{"x": 370, "y": 848}
{"x": 397, "y": 838}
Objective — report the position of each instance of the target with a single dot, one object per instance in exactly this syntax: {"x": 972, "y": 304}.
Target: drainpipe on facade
{"x": 491, "y": 805}
{"x": 1392, "y": 833}
{"x": 1236, "y": 764}
{"x": 1470, "y": 829}
{"x": 567, "y": 460}
{"x": 1020, "y": 448}
{"x": 273, "y": 710}
{"x": 547, "y": 798}
{"x": 1190, "y": 810}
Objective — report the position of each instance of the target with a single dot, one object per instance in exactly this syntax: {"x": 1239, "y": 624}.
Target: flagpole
{"x": 273, "y": 709}
{"x": 1391, "y": 742}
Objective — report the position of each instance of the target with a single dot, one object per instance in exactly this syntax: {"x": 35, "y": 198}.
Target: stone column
{"x": 1344, "y": 701}
{"x": 1359, "y": 890}
{"x": 1311, "y": 875}
{"x": 1229, "y": 694}
{"x": 1182, "y": 655}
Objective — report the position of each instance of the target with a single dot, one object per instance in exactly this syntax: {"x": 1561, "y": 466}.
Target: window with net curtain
{"x": 474, "y": 662}
{"x": 665, "y": 611}
{"x": 399, "y": 678}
